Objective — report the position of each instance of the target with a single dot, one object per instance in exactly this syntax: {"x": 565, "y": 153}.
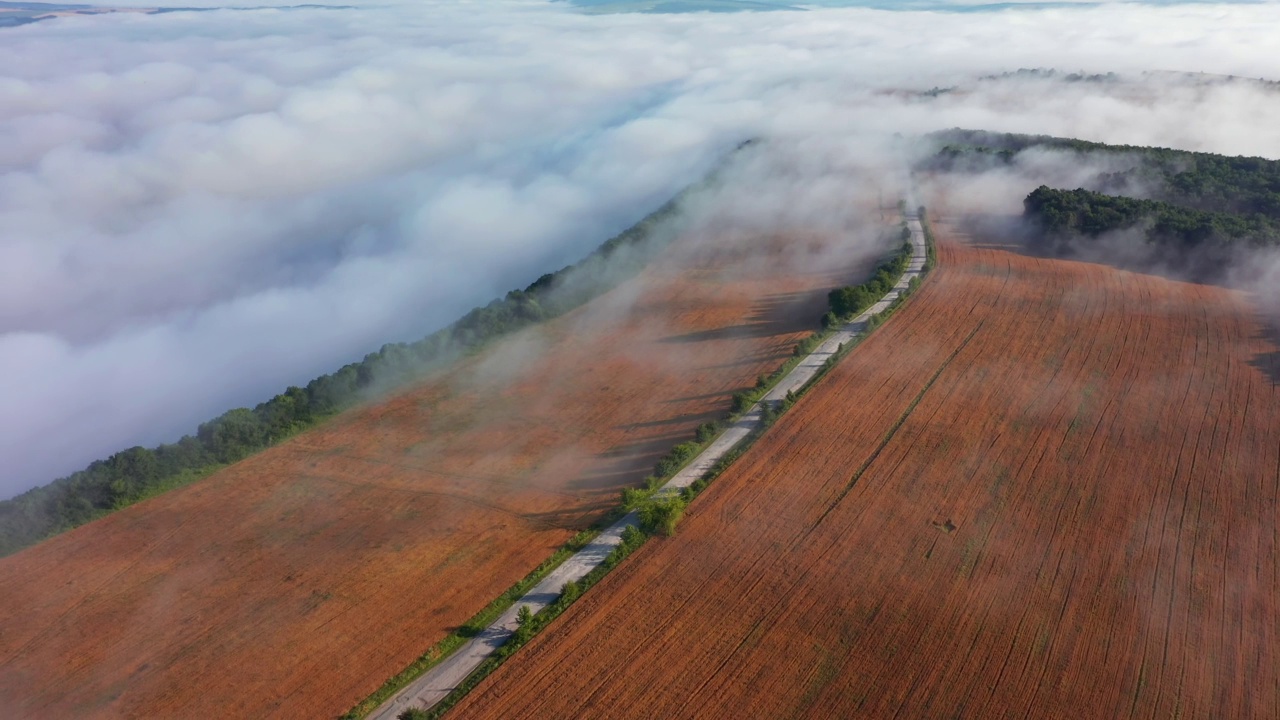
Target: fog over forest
{"x": 199, "y": 209}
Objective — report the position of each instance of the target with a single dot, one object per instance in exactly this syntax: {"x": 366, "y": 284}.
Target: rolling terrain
{"x": 294, "y": 582}
{"x": 1046, "y": 489}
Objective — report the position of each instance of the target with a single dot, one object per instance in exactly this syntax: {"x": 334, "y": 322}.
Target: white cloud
{"x": 197, "y": 209}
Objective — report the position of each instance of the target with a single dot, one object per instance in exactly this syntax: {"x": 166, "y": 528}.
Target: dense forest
{"x": 1197, "y": 243}
{"x": 1189, "y": 213}
{"x": 1092, "y": 213}
{"x": 138, "y": 473}
{"x": 1201, "y": 181}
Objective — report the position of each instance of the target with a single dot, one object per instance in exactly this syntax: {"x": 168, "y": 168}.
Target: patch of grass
{"x": 930, "y": 245}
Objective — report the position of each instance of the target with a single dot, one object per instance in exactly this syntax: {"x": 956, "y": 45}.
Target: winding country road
{"x": 442, "y": 679}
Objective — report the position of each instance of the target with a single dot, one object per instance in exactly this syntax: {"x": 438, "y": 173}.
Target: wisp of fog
{"x": 199, "y": 209}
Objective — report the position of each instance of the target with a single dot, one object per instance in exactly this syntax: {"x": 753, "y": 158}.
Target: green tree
{"x": 662, "y": 514}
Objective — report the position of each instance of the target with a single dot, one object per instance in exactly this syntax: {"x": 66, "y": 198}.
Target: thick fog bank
{"x": 198, "y": 209}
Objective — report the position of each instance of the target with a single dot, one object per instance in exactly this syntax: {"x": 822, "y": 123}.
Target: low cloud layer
{"x": 198, "y": 209}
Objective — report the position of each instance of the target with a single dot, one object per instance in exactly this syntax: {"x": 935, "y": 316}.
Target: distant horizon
{"x": 637, "y": 5}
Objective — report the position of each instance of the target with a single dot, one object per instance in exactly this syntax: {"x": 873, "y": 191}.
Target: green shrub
{"x": 571, "y": 591}
{"x": 633, "y": 497}
{"x": 806, "y": 346}
{"x": 851, "y": 300}
{"x": 661, "y": 514}
{"x": 671, "y": 463}
{"x": 706, "y": 432}
{"x": 632, "y": 537}
{"x": 769, "y": 411}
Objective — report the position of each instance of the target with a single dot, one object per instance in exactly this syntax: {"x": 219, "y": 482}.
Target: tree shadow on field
{"x": 576, "y": 518}
{"x": 775, "y": 314}
{"x": 777, "y": 357}
{"x": 698, "y": 418}
{"x": 1012, "y": 233}
{"x": 1269, "y": 362}
{"x": 692, "y": 398}
{"x": 627, "y": 464}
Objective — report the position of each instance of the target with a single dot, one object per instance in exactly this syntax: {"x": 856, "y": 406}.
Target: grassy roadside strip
{"x": 930, "y": 245}
{"x": 660, "y": 512}
{"x": 632, "y": 539}
{"x": 872, "y": 323}
{"x": 476, "y": 625}
{"x": 665, "y": 511}
{"x": 770, "y": 413}
{"x": 831, "y": 322}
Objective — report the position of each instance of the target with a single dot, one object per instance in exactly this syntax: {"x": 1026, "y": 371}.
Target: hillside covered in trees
{"x": 1196, "y": 180}
{"x": 1092, "y": 213}
{"x": 1195, "y": 243}
{"x": 1191, "y": 213}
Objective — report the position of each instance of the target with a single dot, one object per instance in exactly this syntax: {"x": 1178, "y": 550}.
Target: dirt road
{"x": 1047, "y": 489}
{"x": 442, "y": 679}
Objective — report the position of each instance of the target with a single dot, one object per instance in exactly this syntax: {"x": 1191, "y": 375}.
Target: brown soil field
{"x": 295, "y": 582}
{"x": 1045, "y": 489}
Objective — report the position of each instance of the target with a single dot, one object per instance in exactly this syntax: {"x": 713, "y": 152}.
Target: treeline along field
{"x": 1196, "y": 180}
{"x": 1198, "y": 244}
{"x": 294, "y": 582}
{"x": 1047, "y": 489}
{"x": 1192, "y": 214}
{"x": 655, "y": 509}
{"x": 848, "y": 301}
{"x": 1093, "y": 213}
{"x": 138, "y": 472}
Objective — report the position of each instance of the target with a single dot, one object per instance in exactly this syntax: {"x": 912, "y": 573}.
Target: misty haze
{"x": 639, "y": 358}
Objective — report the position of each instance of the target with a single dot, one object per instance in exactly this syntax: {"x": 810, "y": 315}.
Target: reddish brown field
{"x": 1046, "y": 489}
{"x": 295, "y": 582}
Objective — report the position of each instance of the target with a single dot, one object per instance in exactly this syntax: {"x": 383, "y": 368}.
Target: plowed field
{"x": 295, "y": 582}
{"x": 1045, "y": 489}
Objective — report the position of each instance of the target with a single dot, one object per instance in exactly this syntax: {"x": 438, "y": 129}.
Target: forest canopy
{"x": 1200, "y": 181}
{"x": 1191, "y": 213}
{"x": 1092, "y": 214}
